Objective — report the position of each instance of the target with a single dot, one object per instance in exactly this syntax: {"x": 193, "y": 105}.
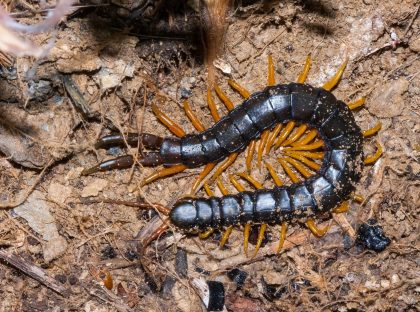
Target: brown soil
{"x": 122, "y": 67}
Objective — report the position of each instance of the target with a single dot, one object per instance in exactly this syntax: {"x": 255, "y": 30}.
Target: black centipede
{"x": 327, "y": 131}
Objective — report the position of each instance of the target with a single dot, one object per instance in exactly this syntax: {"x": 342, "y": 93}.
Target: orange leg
{"x": 308, "y": 147}
{"x": 164, "y": 173}
{"x": 305, "y": 71}
{"x": 222, "y": 187}
{"x": 298, "y": 133}
{"x": 236, "y": 183}
{"x": 251, "y": 180}
{"x": 263, "y": 228}
{"x": 282, "y": 236}
{"x": 356, "y": 104}
{"x": 315, "y": 230}
{"x": 272, "y": 137}
{"x": 336, "y": 78}
{"x": 225, "y": 236}
{"x": 224, "y": 98}
{"x": 247, "y": 231}
{"x": 194, "y": 119}
{"x": 208, "y": 190}
{"x": 238, "y": 88}
{"x": 271, "y": 81}
{"x": 313, "y": 155}
{"x": 299, "y": 167}
{"x": 212, "y": 106}
{"x": 373, "y": 158}
{"x": 206, "y": 234}
{"x": 372, "y": 131}
{"x": 344, "y": 207}
{"x": 229, "y": 161}
{"x": 261, "y": 146}
{"x": 311, "y": 164}
{"x": 203, "y": 174}
{"x": 284, "y": 133}
{"x": 168, "y": 122}
{"x": 273, "y": 174}
{"x": 289, "y": 171}
{"x": 250, "y": 155}
{"x": 306, "y": 138}
{"x": 357, "y": 198}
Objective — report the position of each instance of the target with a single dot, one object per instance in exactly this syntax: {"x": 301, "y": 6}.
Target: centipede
{"x": 322, "y": 156}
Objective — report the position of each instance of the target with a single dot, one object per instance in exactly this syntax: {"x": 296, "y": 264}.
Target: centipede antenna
{"x": 260, "y": 238}
{"x": 193, "y": 117}
{"x": 315, "y": 230}
{"x": 283, "y": 231}
{"x": 206, "y": 234}
{"x": 308, "y": 147}
{"x": 164, "y": 173}
{"x": 250, "y": 155}
{"x": 299, "y": 166}
{"x": 357, "y": 198}
{"x": 373, "y": 158}
{"x": 208, "y": 190}
{"x": 212, "y": 106}
{"x": 238, "y": 88}
{"x": 251, "y": 180}
{"x": 247, "y": 231}
{"x": 203, "y": 174}
{"x": 225, "y": 236}
{"x": 271, "y": 81}
{"x": 168, "y": 122}
{"x": 356, "y": 104}
{"x": 304, "y": 74}
{"x": 296, "y": 135}
{"x": 224, "y": 98}
{"x": 311, "y": 164}
{"x": 229, "y": 161}
{"x": 262, "y": 143}
{"x": 284, "y": 133}
{"x": 272, "y": 137}
{"x": 288, "y": 170}
{"x": 336, "y": 78}
{"x": 238, "y": 185}
{"x": 372, "y": 131}
{"x": 344, "y": 207}
{"x": 273, "y": 174}
{"x": 305, "y": 139}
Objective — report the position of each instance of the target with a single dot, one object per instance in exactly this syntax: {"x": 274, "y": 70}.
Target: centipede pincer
{"x": 326, "y": 131}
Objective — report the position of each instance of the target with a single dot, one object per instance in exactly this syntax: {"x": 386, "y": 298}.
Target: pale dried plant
{"x": 12, "y": 33}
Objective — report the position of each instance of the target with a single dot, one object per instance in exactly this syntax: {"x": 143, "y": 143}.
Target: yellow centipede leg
{"x": 288, "y": 171}
{"x": 260, "y": 238}
{"x": 371, "y": 159}
{"x": 224, "y": 98}
{"x": 247, "y": 231}
{"x": 271, "y": 81}
{"x": 311, "y": 164}
{"x": 356, "y": 104}
{"x": 193, "y": 117}
{"x": 357, "y": 198}
{"x": 236, "y": 183}
{"x": 251, "y": 180}
{"x": 344, "y": 207}
{"x": 299, "y": 166}
{"x": 305, "y": 139}
{"x": 207, "y": 169}
{"x": 208, "y": 190}
{"x": 336, "y": 78}
{"x": 164, "y": 173}
{"x": 238, "y": 88}
{"x": 261, "y": 146}
{"x": 168, "y": 122}
{"x": 308, "y": 147}
{"x": 273, "y": 174}
{"x": 212, "y": 106}
{"x": 296, "y": 135}
{"x": 304, "y": 74}
{"x": 222, "y": 187}
{"x": 283, "y": 231}
{"x": 250, "y": 155}
{"x": 206, "y": 234}
{"x": 284, "y": 133}
{"x": 315, "y": 230}
{"x": 225, "y": 236}
{"x": 272, "y": 137}
{"x": 372, "y": 131}
{"x": 229, "y": 161}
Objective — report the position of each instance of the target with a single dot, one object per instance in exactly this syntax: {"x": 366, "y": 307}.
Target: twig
{"x": 33, "y": 271}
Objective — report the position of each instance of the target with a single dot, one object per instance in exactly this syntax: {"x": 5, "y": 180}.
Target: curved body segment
{"x": 328, "y": 188}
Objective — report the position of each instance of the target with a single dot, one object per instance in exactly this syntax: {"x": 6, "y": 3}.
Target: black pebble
{"x": 217, "y": 296}
{"x": 371, "y": 236}
{"x": 238, "y": 277}
{"x": 108, "y": 252}
{"x": 181, "y": 263}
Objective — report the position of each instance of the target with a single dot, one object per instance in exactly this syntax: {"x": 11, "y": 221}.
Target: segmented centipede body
{"x": 332, "y": 184}
{"x": 260, "y": 118}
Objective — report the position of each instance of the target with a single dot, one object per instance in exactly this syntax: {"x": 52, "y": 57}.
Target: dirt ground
{"x": 108, "y": 65}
